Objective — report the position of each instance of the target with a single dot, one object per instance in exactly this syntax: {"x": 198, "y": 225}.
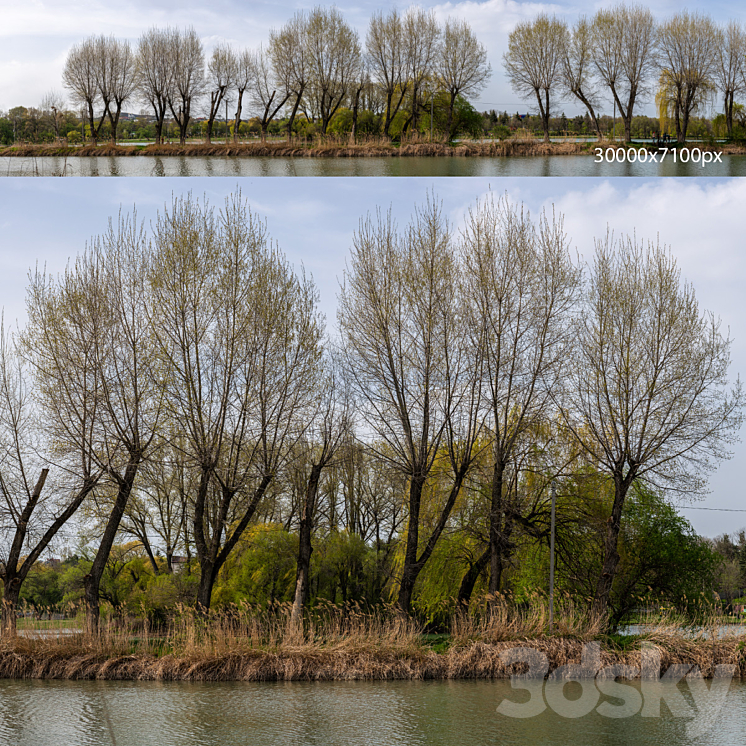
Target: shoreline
{"x": 474, "y": 660}
{"x": 294, "y": 150}
{"x": 500, "y": 148}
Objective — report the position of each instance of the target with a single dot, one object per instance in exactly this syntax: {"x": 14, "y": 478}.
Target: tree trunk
{"x": 304, "y": 546}
{"x": 11, "y": 594}
{"x": 92, "y": 581}
{"x": 291, "y": 120}
{"x": 496, "y": 527}
{"x": 611, "y": 555}
{"x": 409, "y": 570}
{"x": 470, "y": 579}
{"x": 237, "y": 119}
{"x": 206, "y": 581}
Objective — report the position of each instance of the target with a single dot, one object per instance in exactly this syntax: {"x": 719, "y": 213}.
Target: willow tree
{"x": 647, "y": 396}
{"x": 522, "y": 286}
{"x": 412, "y": 369}
{"x": 239, "y": 337}
{"x": 534, "y": 61}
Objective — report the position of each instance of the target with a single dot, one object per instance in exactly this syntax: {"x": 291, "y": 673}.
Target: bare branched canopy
{"x": 534, "y": 61}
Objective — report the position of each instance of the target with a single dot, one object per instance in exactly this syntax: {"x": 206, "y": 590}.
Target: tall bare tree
{"x": 624, "y": 55}
{"x": 730, "y": 66}
{"x": 410, "y": 366}
{"x": 222, "y": 71}
{"x": 240, "y": 339}
{"x": 320, "y": 446}
{"x": 53, "y": 106}
{"x": 30, "y": 515}
{"x": 288, "y": 49}
{"x": 387, "y": 50}
{"x": 98, "y": 307}
{"x": 333, "y": 51}
{"x": 267, "y": 93}
{"x": 647, "y": 396}
{"x": 422, "y": 35}
{"x": 577, "y": 72}
{"x": 187, "y": 77}
{"x": 80, "y": 76}
{"x": 534, "y": 61}
{"x": 521, "y": 285}
{"x": 244, "y": 77}
{"x": 117, "y": 77}
{"x": 154, "y": 73}
{"x": 462, "y": 66}
{"x": 687, "y": 51}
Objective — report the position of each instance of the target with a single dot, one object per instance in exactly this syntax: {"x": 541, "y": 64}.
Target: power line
{"x": 721, "y": 510}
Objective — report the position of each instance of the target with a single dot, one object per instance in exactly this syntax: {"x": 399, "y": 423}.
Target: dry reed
{"x": 249, "y": 643}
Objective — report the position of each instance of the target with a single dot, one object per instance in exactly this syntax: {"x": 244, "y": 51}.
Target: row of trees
{"x": 623, "y": 51}
{"x": 177, "y": 386}
{"x": 315, "y": 64}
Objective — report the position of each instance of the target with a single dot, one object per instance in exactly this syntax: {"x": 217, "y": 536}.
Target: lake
{"x": 397, "y": 713}
{"x": 564, "y": 165}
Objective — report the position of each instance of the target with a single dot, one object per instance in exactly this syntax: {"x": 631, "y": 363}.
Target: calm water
{"x": 566, "y": 165}
{"x": 70, "y": 713}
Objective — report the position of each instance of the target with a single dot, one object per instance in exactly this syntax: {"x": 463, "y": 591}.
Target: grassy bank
{"x": 330, "y": 149}
{"x": 248, "y": 644}
{"x": 338, "y": 148}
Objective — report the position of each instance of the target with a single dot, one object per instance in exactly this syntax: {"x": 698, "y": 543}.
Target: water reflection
{"x": 570, "y": 165}
{"x": 405, "y": 713}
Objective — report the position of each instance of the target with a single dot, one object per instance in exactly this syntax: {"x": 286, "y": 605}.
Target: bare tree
{"x": 222, "y": 71}
{"x": 53, "y": 105}
{"x": 647, "y": 396}
{"x": 81, "y": 77}
{"x": 288, "y": 49}
{"x": 240, "y": 339}
{"x": 322, "y": 441}
{"x": 534, "y": 61}
{"x": 410, "y": 367}
{"x": 624, "y": 55}
{"x": 333, "y": 50}
{"x": 730, "y": 71}
{"x": 266, "y": 95}
{"x": 187, "y": 76}
{"x": 244, "y": 77}
{"x": 577, "y": 75}
{"x": 30, "y": 516}
{"x": 386, "y": 45}
{"x": 687, "y": 50}
{"x": 521, "y": 285}
{"x": 422, "y": 35}
{"x": 117, "y": 77}
{"x": 154, "y": 73}
{"x": 94, "y": 321}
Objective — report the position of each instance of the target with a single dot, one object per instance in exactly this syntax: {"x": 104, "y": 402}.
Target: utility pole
{"x": 432, "y": 109}
{"x": 551, "y": 560}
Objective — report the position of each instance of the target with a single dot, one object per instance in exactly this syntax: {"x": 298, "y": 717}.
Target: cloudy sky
{"x": 35, "y": 35}
{"x": 701, "y": 220}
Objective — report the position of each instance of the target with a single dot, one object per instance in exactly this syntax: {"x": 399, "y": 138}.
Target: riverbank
{"x": 340, "y": 149}
{"x": 74, "y": 659}
{"x": 298, "y": 150}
